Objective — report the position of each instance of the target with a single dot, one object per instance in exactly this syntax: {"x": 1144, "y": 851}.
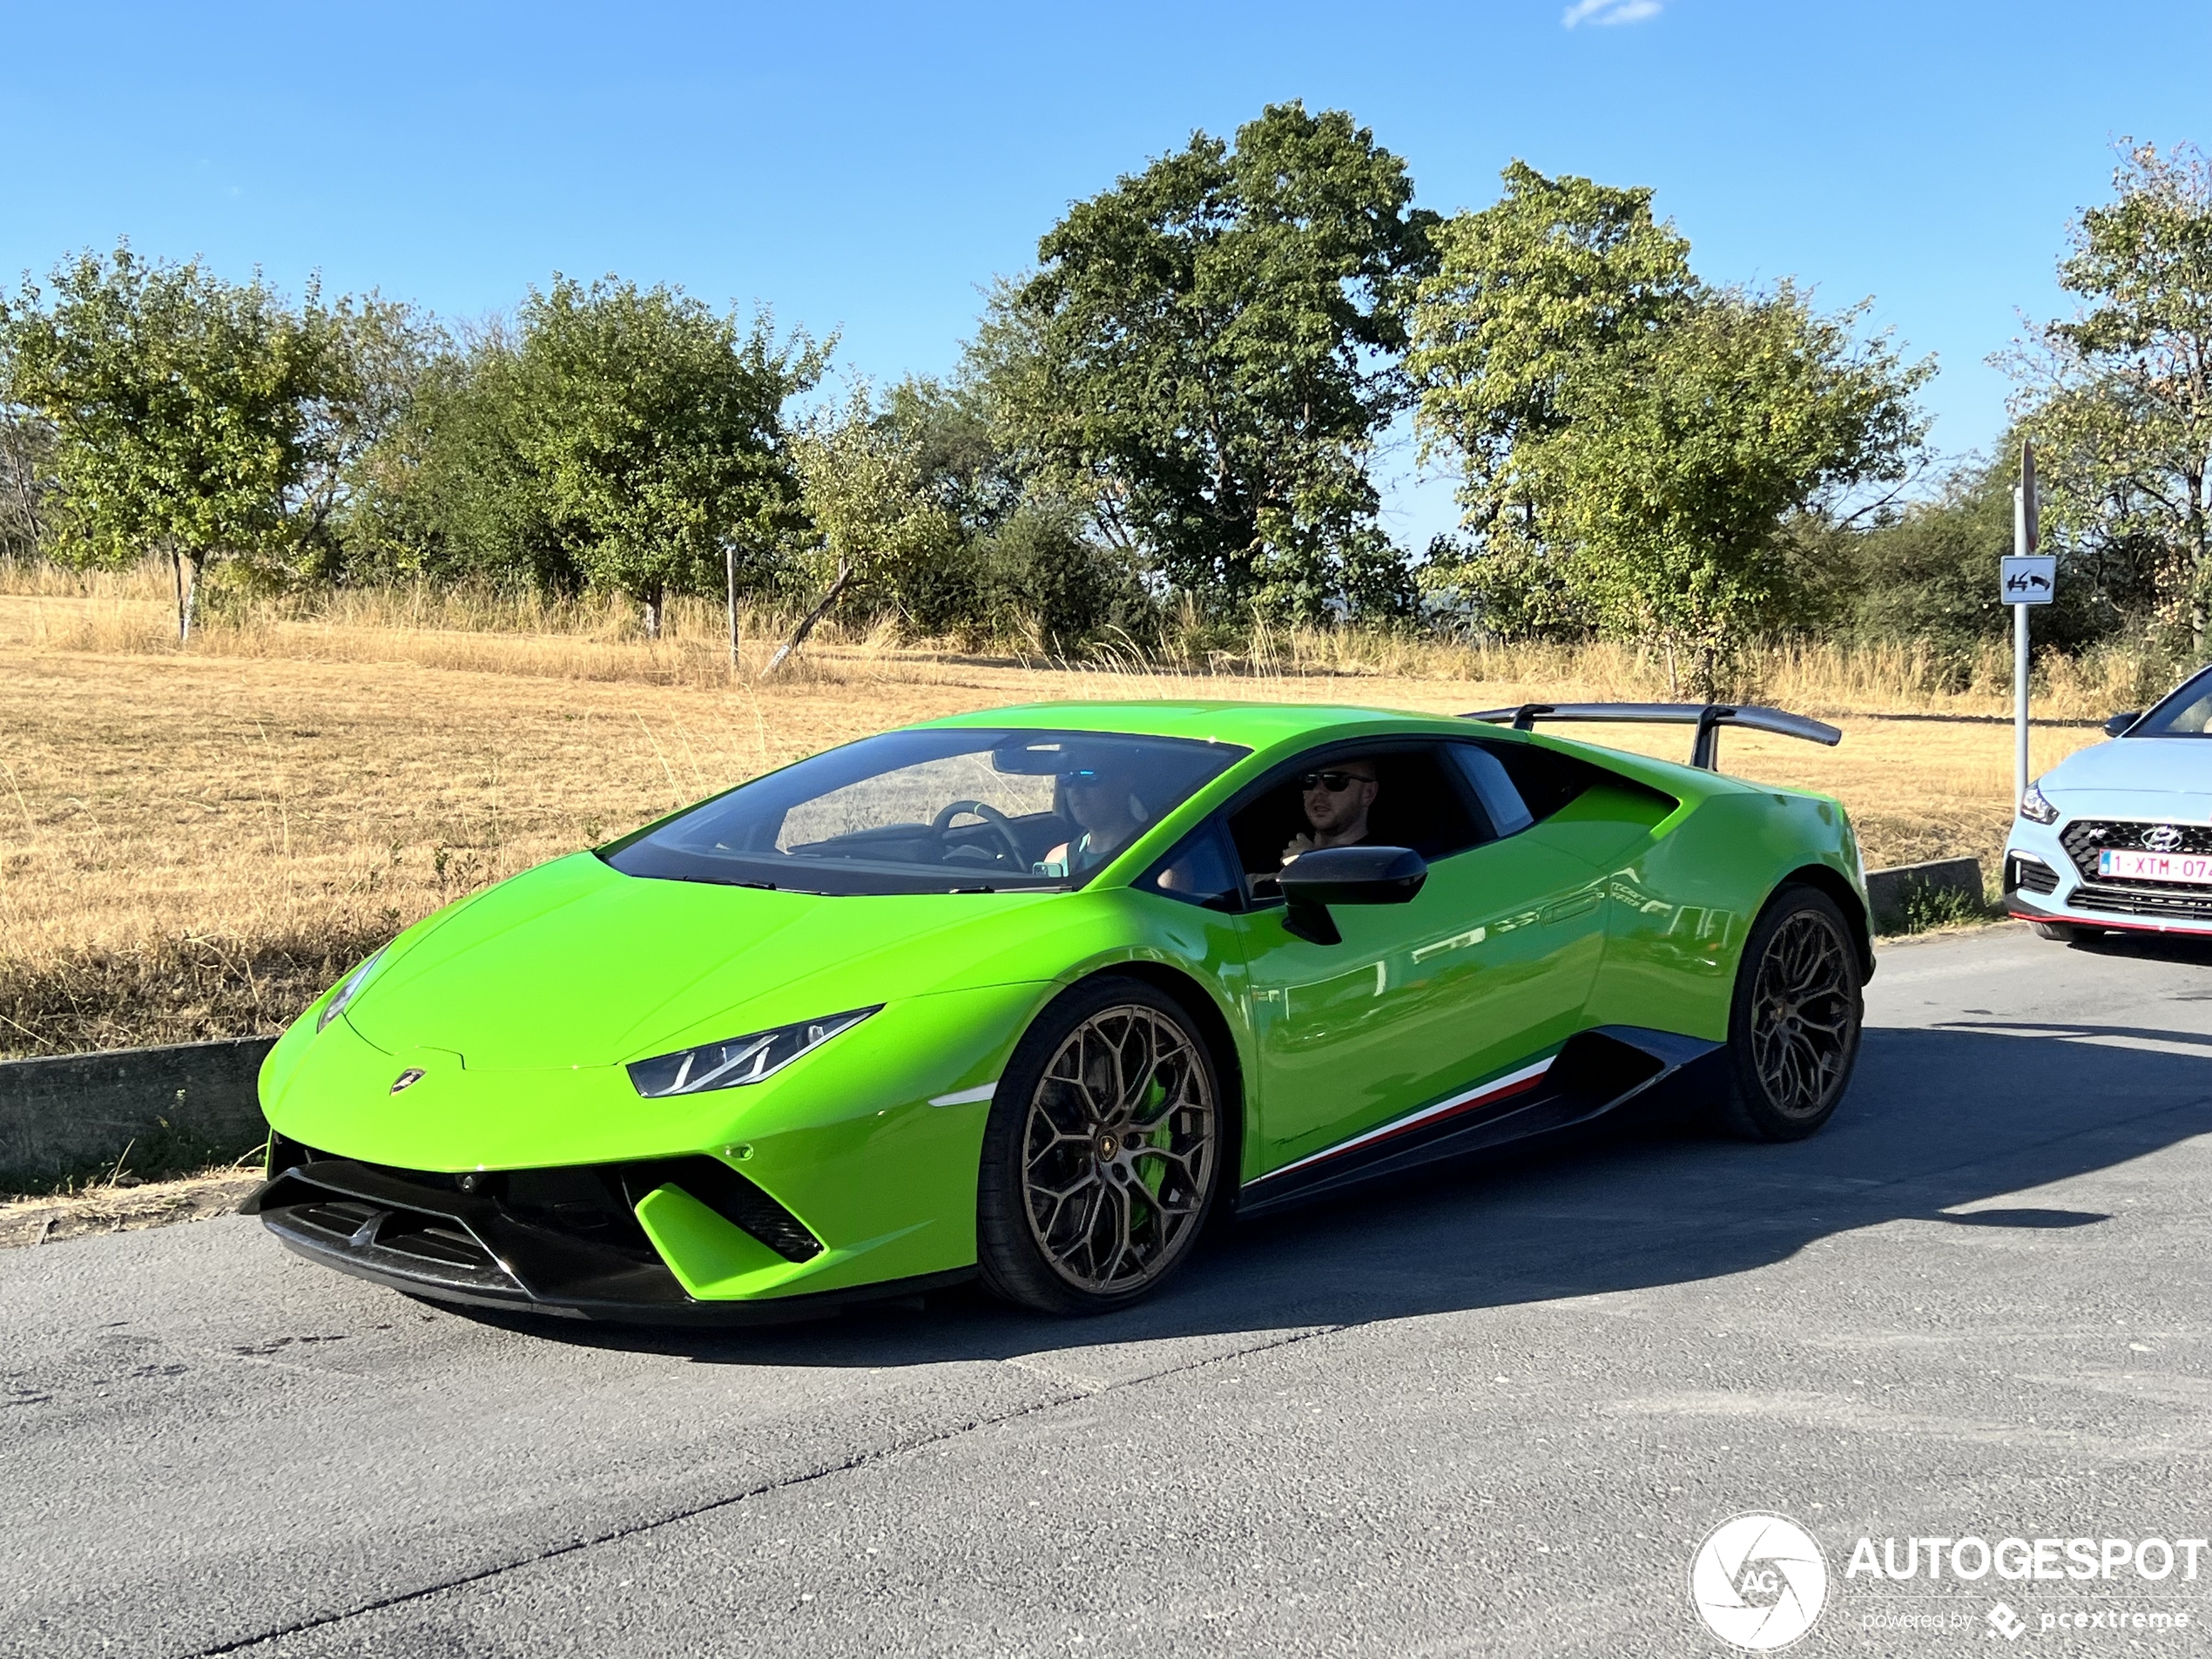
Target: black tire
{"x": 1793, "y": 1026}
{"x": 1102, "y": 1152}
{"x": 2064, "y": 932}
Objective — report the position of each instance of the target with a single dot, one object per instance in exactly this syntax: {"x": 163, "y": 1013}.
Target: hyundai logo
{"x": 407, "y": 1079}
{"x": 2162, "y": 839}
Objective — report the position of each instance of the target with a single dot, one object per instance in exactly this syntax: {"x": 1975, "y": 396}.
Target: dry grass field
{"x": 194, "y": 843}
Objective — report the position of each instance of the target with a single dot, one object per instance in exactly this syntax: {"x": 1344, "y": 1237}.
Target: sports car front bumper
{"x": 589, "y": 1242}
{"x": 2050, "y": 876}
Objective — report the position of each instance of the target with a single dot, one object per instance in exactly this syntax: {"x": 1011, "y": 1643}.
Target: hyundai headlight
{"x": 348, "y": 988}
{"x": 739, "y": 1060}
{"x": 2035, "y": 809}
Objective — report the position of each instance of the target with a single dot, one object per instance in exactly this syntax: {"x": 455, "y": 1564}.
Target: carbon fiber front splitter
{"x": 423, "y": 1235}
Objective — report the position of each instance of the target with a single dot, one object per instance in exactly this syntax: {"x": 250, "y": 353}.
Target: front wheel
{"x": 2064, "y": 931}
{"x": 1102, "y": 1152}
{"x": 1794, "y": 1022}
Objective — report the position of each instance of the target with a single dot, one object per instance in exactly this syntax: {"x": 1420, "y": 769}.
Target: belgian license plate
{"x": 2154, "y": 866}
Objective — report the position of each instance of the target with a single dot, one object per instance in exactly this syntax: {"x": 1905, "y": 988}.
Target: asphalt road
{"x": 1489, "y": 1413}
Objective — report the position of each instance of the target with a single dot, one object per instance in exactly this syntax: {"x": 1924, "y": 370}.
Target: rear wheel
{"x": 1794, "y": 1022}
{"x": 1102, "y": 1152}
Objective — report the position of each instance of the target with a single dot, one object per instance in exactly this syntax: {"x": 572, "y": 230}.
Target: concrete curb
{"x": 181, "y": 1107}
{"x": 1887, "y": 891}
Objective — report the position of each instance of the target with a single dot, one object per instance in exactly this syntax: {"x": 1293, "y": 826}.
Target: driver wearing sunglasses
{"x": 1337, "y": 799}
{"x": 1108, "y": 815}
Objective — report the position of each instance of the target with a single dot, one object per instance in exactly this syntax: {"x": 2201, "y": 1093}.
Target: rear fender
{"x": 1679, "y": 914}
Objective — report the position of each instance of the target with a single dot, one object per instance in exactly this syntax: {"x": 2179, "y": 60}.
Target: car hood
{"x": 576, "y": 964}
{"x": 2158, "y": 777}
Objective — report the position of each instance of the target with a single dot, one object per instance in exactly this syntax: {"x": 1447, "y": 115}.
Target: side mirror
{"x": 1331, "y": 875}
{"x": 2119, "y": 723}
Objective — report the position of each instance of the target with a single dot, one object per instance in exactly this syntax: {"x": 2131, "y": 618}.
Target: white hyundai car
{"x": 2120, "y": 835}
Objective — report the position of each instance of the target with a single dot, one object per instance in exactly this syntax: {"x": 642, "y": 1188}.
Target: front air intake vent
{"x": 737, "y": 1200}
{"x": 2162, "y": 903}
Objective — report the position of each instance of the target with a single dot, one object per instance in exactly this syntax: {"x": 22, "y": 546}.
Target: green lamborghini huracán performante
{"x": 1031, "y": 994}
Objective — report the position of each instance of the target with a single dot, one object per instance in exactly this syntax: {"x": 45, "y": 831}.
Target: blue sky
{"x": 867, "y": 168}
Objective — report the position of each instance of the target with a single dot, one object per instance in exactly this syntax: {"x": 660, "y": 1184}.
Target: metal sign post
{"x": 730, "y": 569}
{"x": 2027, "y": 578}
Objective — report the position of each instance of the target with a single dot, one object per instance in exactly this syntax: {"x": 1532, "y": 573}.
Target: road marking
{"x": 2200, "y": 1049}
{"x": 2186, "y": 1044}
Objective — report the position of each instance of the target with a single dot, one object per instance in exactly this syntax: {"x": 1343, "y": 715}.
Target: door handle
{"x": 1566, "y": 909}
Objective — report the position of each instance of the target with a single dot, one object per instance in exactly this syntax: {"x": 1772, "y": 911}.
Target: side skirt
{"x": 1594, "y": 1072}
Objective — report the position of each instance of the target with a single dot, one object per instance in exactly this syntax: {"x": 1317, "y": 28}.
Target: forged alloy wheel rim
{"x": 1801, "y": 1014}
{"x": 1117, "y": 1152}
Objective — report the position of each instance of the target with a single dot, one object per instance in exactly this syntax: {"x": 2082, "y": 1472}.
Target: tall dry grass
{"x": 479, "y": 628}
{"x": 468, "y": 628}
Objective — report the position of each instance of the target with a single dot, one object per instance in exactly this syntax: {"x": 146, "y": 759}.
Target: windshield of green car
{"x": 2185, "y": 713}
{"x": 955, "y": 810}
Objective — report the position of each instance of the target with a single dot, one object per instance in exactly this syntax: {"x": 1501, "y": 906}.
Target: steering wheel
{"x": 992, "y": 817}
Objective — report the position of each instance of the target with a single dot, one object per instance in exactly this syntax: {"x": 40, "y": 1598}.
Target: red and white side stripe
{"x": 1517, "y": 1083}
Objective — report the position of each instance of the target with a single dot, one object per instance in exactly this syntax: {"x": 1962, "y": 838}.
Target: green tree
{"x": 960, "y": 458}
{"x": 182, "y": 406}
{"x": 447, "y": 493}
{"x": 652, "y": 432}
{"x": 1638, "y": 454}
{"x": 1019, "y": 566}
{"x": 2118, "y": 398}
{"x": 874, "y": 525}
{"x": 1526, "y": 292}
{"x": 1928, "y": 573}
{"x": 380, "y": 353}
{"x": 1681, "y": 457}
{"x": 1208, "y": 353}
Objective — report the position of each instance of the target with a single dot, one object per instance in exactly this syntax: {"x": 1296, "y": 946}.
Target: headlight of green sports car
{"x": 740, "y": 1060}
{"x": 349, "y": 990}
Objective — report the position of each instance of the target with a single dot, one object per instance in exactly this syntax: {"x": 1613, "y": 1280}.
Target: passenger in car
{"x": 1108, "y": 814}
{"x": 1338, "y": 798}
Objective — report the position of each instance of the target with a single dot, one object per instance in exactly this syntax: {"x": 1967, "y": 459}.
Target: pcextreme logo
{"x": 1758, "y": 1582}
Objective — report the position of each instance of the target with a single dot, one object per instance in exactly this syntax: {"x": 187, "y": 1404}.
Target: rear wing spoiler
{"x": 1708, "y": 717}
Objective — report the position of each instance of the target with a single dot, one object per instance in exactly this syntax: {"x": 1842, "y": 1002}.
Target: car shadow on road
{"x": 1937, "y": 1121}
{"x": 2155, "y": 947}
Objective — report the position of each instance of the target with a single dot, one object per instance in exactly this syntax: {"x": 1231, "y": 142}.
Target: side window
{"x": 1199, "y": 871}
{"x": 1501, "y": 802}
{"x": 1545, "y": 781}
{"x": 1411, "y": 797}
